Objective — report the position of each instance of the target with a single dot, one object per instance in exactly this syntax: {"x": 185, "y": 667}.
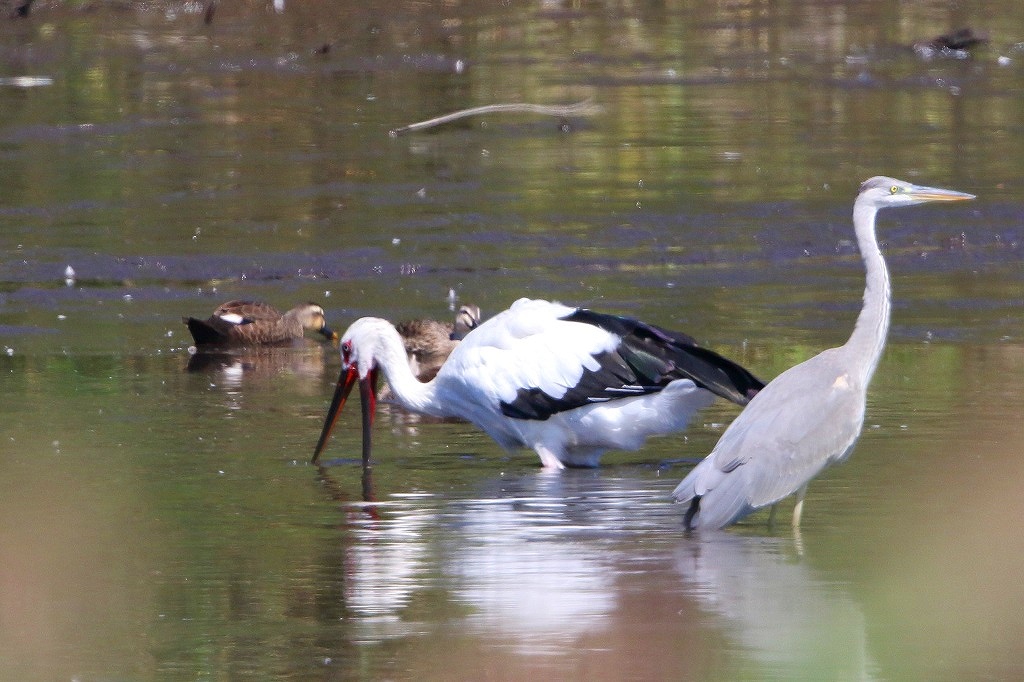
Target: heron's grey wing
{"x": 804, "y": 420}
{"x": 793, "y": 441}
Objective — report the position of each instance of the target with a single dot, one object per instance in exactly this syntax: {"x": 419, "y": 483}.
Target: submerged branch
{"x": 584, "y": 108}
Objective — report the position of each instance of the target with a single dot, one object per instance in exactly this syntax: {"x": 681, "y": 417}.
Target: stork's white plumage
{"x": 567, "y": 382}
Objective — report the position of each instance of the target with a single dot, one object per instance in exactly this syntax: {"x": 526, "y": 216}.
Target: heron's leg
{"x": 691, "y": 512}
{"x": 798, "y": 510}
{"x": 548, "y": 459}
{"x": 771, "y": 515}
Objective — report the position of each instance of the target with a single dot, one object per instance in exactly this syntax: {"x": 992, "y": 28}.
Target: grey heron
{"x": 810, "y": 416}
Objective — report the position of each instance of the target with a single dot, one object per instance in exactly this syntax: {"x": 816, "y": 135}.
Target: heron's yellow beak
{"x": 936, "y": 194}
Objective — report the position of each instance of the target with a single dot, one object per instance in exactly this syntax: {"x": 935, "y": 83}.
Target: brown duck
{"x": 428, "y": 343}
{"x": 253, "y": 323}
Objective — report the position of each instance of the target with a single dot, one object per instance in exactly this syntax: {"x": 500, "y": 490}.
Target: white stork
{"x": 568, "y": 382}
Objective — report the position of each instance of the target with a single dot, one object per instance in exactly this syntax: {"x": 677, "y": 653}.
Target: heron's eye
{"x": 894, "y": 189}
{"x": 346, "y": 349}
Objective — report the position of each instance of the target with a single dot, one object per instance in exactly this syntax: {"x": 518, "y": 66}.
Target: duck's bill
{"x": 937, "y": 194}
{"x": 329, "y": 334}
{"x": 368, "y": 398}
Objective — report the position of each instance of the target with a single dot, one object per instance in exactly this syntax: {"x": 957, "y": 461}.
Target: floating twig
{"x": 584, "y": 108}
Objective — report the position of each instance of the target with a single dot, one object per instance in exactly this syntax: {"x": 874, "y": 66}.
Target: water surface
{"x": 162, "y": 523}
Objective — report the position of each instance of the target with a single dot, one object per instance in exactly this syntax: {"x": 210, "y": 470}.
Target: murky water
{"x": 162, "y": 522}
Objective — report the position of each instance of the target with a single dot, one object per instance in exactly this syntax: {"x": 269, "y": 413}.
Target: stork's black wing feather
{"x": 614, "y": 378}
{"x": 647, "y": 359}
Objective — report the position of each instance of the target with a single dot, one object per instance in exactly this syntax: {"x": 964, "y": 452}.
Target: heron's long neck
{"x": 868, "y": 338}
{"x": 411, "y": 392}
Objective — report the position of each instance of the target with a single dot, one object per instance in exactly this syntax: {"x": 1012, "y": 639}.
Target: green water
{"x": 161, "y": 523}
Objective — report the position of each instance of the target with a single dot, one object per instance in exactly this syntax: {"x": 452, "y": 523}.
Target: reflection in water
{"x": 515, "y": 564}
{"x": 385, "y": 566}
{"x": 543, "y": 567}
{"x": 264, "y": 366}
{"x": 386, "y": 562}
{"x": 529, "y": 568}
{"x": 776, "y": 608}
